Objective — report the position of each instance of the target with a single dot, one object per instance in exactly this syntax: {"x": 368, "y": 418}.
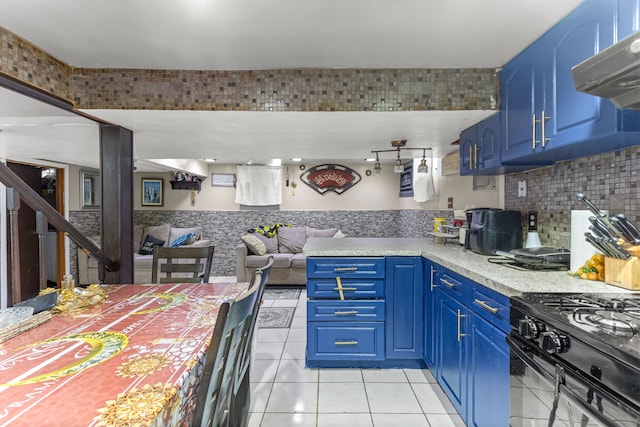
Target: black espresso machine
{"x": 492, "y": 230}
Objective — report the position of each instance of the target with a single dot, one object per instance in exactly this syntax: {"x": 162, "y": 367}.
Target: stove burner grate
{"x": 612, "y": 322}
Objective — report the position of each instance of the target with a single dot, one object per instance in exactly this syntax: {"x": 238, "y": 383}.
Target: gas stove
{"x": 596, "y": 335}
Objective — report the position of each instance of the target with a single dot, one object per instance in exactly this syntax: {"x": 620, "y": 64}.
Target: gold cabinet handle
{"x": 486, "y": 306}
{"x": 344, "y": 289}
{"x": 543, "y": 122}
{"x": 338, "y": 313}
{"x": 475, "y": 156}
{"x": 345, "y": 269}
{"x": 470, "y": 157}
{"x": 339, "y": 288}
{"x": 448, "y": 283}
{"x": 533, "y": 132}
{"x": 346, "y": 342}
{"x": 459, "y": 317}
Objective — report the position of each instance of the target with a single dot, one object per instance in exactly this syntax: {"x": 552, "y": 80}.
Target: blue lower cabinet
{"x": 488, "y": 378}
{"x": 430, "y": 274}
{"x": 451, "y": 370}
{"x": 345, "y": 311}
{"x": 355, "y": 341}
{"x": 405, "y": 308}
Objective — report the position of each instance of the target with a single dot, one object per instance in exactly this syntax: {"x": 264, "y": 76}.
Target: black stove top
{"x": 607, "y": 322}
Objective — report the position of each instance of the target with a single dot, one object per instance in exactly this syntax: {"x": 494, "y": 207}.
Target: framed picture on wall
{"x": 152, "y": 192}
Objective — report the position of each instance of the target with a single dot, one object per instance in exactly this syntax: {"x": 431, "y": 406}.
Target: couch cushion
{"x": 317, "y": 232}
{"x": 299, "y": 261}
{"x": 149, "y": 243}
{"x": 279, "y": 261}
{"x": 182, "y": 240}
{"x": 291, "y": 239}
{"x": 160, "y": 232}
{"x": 256, "y": 246}
{"x": 176, "y": 233}
{"x": 271, "y": 243}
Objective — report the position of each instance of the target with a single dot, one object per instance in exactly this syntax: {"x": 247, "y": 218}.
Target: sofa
{"x": 283, "y": 243}
{"x": 144, "y": 239}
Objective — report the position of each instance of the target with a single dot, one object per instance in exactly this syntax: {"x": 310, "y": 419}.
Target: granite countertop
{"x": 505, "y": 280}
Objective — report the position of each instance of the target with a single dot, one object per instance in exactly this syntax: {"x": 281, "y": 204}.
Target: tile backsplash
{"x": 609, "y": 180}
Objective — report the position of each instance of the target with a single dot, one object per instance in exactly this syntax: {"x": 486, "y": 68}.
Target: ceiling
{"x": 260, "y": 34}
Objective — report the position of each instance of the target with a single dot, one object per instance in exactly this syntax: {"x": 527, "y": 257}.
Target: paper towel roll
{"x": 581, "y": 250}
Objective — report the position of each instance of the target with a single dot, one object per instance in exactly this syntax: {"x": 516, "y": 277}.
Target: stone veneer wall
{"x": 610, "y": 180}
{"x": 88, "y": 223}
{"x": 224, "y": 228}
{"x": 260, "y": 90}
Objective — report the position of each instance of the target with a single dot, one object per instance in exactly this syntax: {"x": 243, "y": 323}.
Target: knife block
{"x": 625, "y": 274}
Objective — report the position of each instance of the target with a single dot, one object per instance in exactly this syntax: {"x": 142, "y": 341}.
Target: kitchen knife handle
{"x": 630, "y": 226}
{"x": 593, "y": 208}
{"x": 622, "y": 228}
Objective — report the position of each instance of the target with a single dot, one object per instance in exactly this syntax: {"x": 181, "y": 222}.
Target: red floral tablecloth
{"x": 135, "y": 359}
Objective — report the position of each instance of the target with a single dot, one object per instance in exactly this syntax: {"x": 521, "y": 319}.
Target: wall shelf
{"x": 185, "y": 185}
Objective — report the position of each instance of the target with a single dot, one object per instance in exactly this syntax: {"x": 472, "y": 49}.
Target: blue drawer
{"x": 345, "y": 340}
{"x": 352, "y": 288}
{"x": 490, "y": 305}
{"x": 455, "y": 285}
{"x": 348, "y": 310}
{"x": 345, "y": 267}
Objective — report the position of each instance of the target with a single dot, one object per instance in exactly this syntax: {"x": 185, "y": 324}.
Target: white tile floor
{"x": 285, "y": 393}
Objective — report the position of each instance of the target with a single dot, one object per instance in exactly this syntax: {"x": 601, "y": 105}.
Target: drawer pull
{"x": 346, "y": 342}
{"x": 337, "y": 313}
{"x": 460, "y": 334}
{"x": 339, "y": 288}
{"x": 486, "y": 306}
{"x": 344, "y": 289}
{"x": 448, "y": 283}
{"x": 345, "y": 269}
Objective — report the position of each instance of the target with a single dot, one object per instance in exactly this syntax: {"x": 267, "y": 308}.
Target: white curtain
{"x": 259, "y": 185}
{"x": 423, "y": 187}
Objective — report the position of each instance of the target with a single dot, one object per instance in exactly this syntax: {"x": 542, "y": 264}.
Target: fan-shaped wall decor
{"x": 336, "y": 178}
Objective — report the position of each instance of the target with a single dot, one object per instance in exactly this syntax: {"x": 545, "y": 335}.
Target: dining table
{"x": 135, "y": 359}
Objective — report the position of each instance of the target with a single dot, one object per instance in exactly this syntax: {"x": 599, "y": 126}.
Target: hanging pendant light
{"x": 376, "y": 168}
{"x": 398, "y": 168}
{"x": 423, "y": 168}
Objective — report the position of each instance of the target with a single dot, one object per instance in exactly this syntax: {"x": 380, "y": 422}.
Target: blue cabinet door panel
{"x": 488, "y": 392}
{"x": 452, "y": 363}
{"x": 403, "y": 295}
{"x": 627, "y": 17}
{"x": 492, "y": 306}
{"x": 431, "y": 323}
{"x": 348, "y": 310}
{"x": 345, "y": 340}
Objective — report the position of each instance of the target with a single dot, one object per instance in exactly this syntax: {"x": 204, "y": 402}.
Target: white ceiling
{"x": 261, "y": 34}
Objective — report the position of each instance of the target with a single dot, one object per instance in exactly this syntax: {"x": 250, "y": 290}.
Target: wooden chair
{"x": 196, "y": 262}
{"x": 214, "y": 405}
{"x": 242, "y": 391}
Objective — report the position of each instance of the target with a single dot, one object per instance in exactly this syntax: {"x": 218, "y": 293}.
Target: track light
{"x": 376, "y": 168}
{"x": 423, "y": 168}
{"x": 398, "y": 167}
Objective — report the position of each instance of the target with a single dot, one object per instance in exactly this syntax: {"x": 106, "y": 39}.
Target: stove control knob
{"x": 553, "y": 342}
{"x": 530, "y": 329}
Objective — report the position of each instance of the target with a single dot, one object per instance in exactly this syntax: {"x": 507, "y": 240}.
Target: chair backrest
{"x": 181, "y": 265}
{"x": 216, "y": 391}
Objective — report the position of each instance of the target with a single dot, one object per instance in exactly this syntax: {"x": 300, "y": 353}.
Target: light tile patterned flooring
{"x": 285, "y": 393}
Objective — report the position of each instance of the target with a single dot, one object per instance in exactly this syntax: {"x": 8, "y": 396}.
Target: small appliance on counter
{"x": 492, "y": 230}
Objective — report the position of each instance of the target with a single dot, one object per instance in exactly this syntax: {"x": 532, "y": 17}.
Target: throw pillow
{"x": 291, "y": 240}
{"x": 271, "y": 243}
{"x": 179, "y": 232}
{"x": 149, "y": 243}
{"x": 268, "y": 230}
{"x": 326, "y": 232}
{"x": 182, "y": 240}
{"x": 160, "y": 232}
{"x": 339, "y": 234}
{"x": 254, "y": 244}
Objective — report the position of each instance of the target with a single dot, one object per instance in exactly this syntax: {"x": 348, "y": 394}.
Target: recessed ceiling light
{"x": 370, "y": 159}
{"x": 296, "y": 159}
{"x": 209, "y": 160}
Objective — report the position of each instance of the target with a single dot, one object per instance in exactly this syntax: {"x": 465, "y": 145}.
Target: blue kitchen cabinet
{"x": 404, "y": 300}
{"x": 451, "y": 371}
{"x": 628, "y": 17}
{"x": 430, "y": 274}
{"x": 488, "y": 379}
{"x": 545, "y": 118}
{"x": 480, "y": 147}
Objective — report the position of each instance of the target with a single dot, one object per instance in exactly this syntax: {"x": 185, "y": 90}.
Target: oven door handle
{"x": 561, "y": 387}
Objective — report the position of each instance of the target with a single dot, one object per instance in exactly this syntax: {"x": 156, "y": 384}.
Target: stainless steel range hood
{"x": 613, "y": 73}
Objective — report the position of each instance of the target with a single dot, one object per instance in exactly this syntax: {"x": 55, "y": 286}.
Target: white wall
{"x": 373, "y": 192}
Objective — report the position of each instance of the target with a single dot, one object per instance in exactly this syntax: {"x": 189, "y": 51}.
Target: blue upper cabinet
{"x": 480, "y": 147}
{"x": 545, "y": 118}
{"x": 627, "y": 17}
